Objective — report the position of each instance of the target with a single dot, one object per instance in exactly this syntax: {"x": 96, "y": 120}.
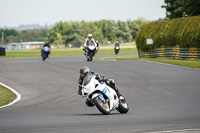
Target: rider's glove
{"x": 103, "y": 79}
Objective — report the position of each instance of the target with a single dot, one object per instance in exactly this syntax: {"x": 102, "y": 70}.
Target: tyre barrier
{"x": 2, "y": 51}
{"x": 172, "y": 53}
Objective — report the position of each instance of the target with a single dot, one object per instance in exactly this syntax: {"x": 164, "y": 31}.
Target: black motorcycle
{"x": 117, "y": 50}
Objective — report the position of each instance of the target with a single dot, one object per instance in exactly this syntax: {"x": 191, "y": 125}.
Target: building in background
{"x": 24, "y": 45}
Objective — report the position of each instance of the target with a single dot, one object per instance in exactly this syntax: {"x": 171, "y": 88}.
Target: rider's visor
{"x": 82, "y": 74}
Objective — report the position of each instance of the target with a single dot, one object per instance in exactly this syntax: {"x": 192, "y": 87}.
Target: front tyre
{"x": 102, "y": 107}
{"x": 44, "y": 57}
{"x": 123, "y": 107}
{"x": 91, "y": 57}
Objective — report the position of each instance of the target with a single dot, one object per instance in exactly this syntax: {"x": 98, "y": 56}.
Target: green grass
{"x": 127, "y": 57}
{"x": 6, "y": 96}
{"x": 184, "y": 63}
{"x": 125, "y": 48}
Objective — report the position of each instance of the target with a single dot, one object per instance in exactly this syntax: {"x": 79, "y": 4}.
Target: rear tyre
{"x": 102, "y": 107}
{"x": 123, "y": 107}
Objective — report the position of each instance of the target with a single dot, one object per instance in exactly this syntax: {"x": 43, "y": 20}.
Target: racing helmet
{"x": 84, "y": 71}
{"x": 89, "y": 35}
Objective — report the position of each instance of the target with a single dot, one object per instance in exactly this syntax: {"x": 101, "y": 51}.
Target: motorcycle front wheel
{"x": 102, "y": 107}
{"x": 44, "y": 57}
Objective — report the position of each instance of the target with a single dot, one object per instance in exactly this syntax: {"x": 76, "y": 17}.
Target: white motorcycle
{"x": 90, "y": 52}
{"x": 102, "y": 96}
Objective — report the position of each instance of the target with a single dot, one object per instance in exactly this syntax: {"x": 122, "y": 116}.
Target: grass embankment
{"x": 6, "y": 96}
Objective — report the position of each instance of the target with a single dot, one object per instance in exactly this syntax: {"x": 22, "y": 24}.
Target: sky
{"x": 17, "y": 12}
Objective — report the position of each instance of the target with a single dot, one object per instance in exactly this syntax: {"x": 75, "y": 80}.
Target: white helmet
{"x": 90, "y": 35}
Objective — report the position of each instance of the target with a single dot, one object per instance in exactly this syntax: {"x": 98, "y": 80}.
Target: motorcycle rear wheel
{"x": 123, "y": 107}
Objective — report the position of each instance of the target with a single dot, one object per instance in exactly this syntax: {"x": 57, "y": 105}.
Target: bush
{"x": 184, "y": 32}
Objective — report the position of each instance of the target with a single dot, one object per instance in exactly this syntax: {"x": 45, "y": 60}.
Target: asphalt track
{"x": 160, "y": 97}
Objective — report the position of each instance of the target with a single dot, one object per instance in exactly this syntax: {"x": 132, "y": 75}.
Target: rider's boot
{"x": 119, "y": 94}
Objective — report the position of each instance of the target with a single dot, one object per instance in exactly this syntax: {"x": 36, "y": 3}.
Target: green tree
{"x": 90, "y": 27}
{"x": 7, "y": 33}
{"x": 59, "y": 33}
{"x": 59, "y": 40}
{"x": 181, "y": 8}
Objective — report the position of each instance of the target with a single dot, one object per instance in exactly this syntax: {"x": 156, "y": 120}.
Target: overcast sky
{"x": 17, "y": 12}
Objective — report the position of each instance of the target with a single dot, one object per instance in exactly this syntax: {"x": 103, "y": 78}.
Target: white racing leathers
{"x": 102, "y": 96}
{"x": 90, "y": 49}
{"x": 89, "y": 42}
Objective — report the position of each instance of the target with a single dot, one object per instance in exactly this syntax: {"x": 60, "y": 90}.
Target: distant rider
{"x": 117, "y": 44}
{"x": 89, "y": 41}
{"x": 84, "y": 71}
{"x": 46, "y": 47}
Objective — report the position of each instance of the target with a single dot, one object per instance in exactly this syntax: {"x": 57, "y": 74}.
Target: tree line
{"x": 14, "y": 36}
{"x": 181, "y": 8}
{"x": 75, "y": 32}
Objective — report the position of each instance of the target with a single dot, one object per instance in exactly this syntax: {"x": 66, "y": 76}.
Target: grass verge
{"x": 127, "y": 57}
{"x": 6, "y": 96}
{"x": 62, "y": 52}
{"x": 184, "y": 63}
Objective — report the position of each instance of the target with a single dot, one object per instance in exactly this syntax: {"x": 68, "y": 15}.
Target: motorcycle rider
{"x": 117, "y": 44}
{"x": 47, "y": 46}
{"x": 84, "y": 71}
{"x": 89, "y": 41}
{"x": 117, "y": 47}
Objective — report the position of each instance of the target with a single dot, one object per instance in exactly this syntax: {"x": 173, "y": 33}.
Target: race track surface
{"x": 160, "y": 97}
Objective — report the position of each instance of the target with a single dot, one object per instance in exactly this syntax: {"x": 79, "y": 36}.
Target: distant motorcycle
{"x": 102, "y": 96}
{"x": 45, "y": 53}
{"x": 117, "y": 50}
{"x": 90, "y": 51}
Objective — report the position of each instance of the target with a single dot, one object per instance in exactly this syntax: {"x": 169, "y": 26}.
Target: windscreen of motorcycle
{"x": 46, "y": 49}
{"x": 91, "y": 47}
{"x": 87, "y": 79}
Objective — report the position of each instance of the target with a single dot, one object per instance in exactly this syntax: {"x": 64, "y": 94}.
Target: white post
{"x": 2, "y": 38}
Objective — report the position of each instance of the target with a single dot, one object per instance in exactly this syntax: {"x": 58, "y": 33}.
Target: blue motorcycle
{"x": 45, "y": 53}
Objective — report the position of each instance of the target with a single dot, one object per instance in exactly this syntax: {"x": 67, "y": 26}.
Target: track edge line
{"x": 18, "y": 96}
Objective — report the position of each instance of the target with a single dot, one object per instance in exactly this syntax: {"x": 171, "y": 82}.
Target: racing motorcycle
{"x": 45, "y": 53}
{"x": 102, "y": 96}
{"x": 90, "y": 51}
{"x": 117, "y": 50}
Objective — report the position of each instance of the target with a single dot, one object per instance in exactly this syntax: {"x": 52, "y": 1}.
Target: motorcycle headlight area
{"x": 86, "y": 89}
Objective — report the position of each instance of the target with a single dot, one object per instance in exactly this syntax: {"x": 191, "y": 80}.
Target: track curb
{"x": 18, "y": 96}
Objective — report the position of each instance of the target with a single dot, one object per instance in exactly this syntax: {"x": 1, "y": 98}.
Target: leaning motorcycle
{"x": 102, "y": 96}
{"x": 90, "y": 51}
{"x": 45, "y": 53}
{"x": 117, "y": 50}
